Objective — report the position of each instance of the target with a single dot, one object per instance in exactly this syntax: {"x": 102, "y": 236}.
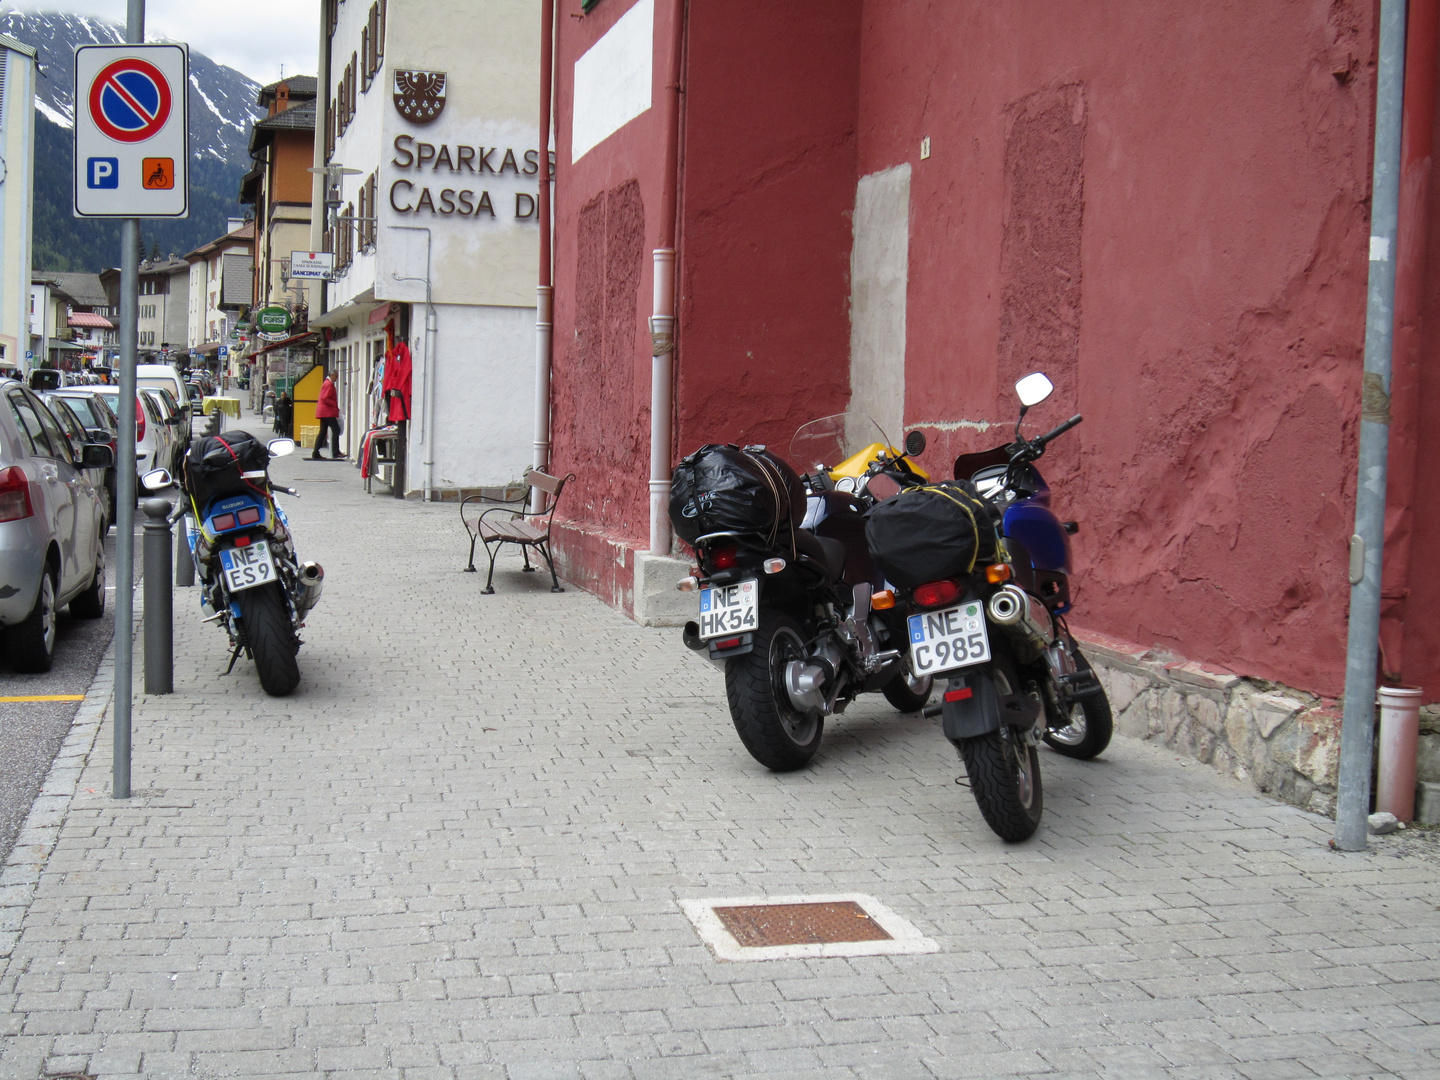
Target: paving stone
{"x": 458, "y": 849}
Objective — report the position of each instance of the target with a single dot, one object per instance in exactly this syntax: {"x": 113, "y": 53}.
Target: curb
{"x": 41, "y": 831}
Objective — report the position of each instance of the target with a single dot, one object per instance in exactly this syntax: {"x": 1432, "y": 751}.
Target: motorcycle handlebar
{"x": 1066, "y": 426}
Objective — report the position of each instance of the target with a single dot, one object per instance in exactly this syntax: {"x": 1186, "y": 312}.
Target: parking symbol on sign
{"x": 103, "y": 172}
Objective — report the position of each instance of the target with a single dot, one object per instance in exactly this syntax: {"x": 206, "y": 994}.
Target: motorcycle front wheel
{"x": 777, "y": 735}
{"x": 1088, "y": 728}
{"x": 907, "y": 692}
{"x": 271, "y": 638}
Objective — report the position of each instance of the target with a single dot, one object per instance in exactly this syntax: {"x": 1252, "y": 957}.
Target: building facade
{"x": 163, "y": 311}
{"x": 898, "y": 209}
{"x": 430, "y": 136}
{"x": 220, "y": 288}
{"x": 17, "y": 152}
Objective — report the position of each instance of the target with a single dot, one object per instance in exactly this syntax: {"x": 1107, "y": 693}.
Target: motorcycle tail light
{"x": 935, "y": 594}
{"x": 248, "y": 517}
{"x": 724, "y": 558}
{"x": 242, "y": 541}
{"x": 998, "y": 573}
{"x": 14, "y": 494}
{"x": 221, "y": 522}
{"x": 883, "y": 600}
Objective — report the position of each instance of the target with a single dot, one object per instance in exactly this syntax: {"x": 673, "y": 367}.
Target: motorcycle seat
{"x": 822, "y": 550}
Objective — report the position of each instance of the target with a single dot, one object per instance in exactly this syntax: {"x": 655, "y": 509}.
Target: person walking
{"x": 327, "y": 411}
{"x": 284, "y": 415}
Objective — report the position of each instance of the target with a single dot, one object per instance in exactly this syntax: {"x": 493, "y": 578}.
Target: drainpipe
{"x": 1367, "y": 544}
{"x": 662, "y": 322}
{"x": 545, "y": 291}
{"x": 1417, "y": 145}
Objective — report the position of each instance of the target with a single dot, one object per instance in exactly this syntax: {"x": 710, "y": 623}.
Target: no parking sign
{"x": 131, "y": 131}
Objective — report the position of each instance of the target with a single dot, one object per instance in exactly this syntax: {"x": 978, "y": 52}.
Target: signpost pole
{"x": 125, "y": 470}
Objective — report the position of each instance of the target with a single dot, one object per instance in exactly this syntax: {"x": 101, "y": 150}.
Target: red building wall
{"x": 1165, "y": 209}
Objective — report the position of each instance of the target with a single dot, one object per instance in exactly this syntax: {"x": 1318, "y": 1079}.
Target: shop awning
{"x": 307, "y": 338}
{"x": 356, "y": 307}
{"x": 89, "y": 318}
{"x": 206, "y": 349}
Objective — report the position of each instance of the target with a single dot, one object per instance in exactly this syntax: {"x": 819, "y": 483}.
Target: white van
{"x": 163, "y": 375}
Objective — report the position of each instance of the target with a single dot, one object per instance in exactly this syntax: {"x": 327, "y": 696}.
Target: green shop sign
{"x": 272, "y": 320}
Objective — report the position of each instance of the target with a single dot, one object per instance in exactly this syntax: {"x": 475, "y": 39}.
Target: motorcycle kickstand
{"x": 233, "y": 657}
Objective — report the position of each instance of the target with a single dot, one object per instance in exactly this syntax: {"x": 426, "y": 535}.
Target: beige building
{"x": 221, "y": 286}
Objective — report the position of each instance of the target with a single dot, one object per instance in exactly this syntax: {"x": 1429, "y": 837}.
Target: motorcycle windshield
{"x": 823, "y": 444}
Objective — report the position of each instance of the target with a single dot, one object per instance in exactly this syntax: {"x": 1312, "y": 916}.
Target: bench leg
{"x": 471, "y": 568}
{"x": 490, "y": 588}
{"x": 527, "y": 569}
{"x": 554, "y": 581}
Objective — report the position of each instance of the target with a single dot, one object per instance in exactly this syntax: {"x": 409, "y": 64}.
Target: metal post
{"x": 125, "y": 471}
{"x": 1357, "y": 731}
{"x": 159, "y": 603}
{"x": 184, "y": 561}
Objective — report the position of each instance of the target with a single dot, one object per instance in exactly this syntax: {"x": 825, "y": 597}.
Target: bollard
{"x": 1399, "y": 744}
{"x": 184, "y": 561}
{"x": 159, "y": 604}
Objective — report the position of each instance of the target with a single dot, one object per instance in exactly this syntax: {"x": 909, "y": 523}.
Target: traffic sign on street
{"x": 132, "y": 147}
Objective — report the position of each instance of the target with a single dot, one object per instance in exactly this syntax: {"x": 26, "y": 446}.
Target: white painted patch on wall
{"x": 612, "y": 79}
{"x": 956, "y": 425}
{"x": 879, "y": 276}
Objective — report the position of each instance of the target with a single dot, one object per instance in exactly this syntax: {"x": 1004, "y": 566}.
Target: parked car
{"x": 95, "y": 413}
{"x": 78, "y": 435}
{"x": 52, "y": 529}
{"x": 152, "y": 435}
{"x": 177, "y": 424}
{"x": 163, "y": 375}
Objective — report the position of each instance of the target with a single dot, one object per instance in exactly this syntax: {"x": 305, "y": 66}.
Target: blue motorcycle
{"x": 995, "y": 628}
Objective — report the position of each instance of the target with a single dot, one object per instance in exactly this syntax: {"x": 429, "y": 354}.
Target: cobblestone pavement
{"x": 459, "y": 850}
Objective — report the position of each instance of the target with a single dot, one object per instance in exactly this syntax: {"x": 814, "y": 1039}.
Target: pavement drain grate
{"x": 761, "y": 925}
{"x": 797, "y": 927}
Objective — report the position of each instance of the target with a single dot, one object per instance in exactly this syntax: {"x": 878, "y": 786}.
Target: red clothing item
{"x": 327, "y": 405}
{"x": 397, "y": 378}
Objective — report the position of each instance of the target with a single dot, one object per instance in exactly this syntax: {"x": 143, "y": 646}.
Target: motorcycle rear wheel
{"x": 271, "y": 638}
{"x": 777, "y": 735}
{"x": 1090, "y": 723}
{"x": 1004, "y": 774}
{"x": 907, "y": 693}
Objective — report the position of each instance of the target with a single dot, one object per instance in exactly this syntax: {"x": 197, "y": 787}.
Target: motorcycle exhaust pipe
{"x": 1012, "y": 608}
{"x": 312, "y": 584}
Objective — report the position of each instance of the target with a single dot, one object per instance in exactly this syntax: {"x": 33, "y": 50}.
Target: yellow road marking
{"x": 46, "y": 697}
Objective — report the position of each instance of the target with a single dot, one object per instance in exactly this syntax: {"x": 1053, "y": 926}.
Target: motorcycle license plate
{"x": 729, "y": 609}
{"x": 952, "y": 638}
{"x": 247, "y": 567}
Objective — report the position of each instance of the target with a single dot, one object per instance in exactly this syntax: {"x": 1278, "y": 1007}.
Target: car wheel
{"x": 32, "y": 642}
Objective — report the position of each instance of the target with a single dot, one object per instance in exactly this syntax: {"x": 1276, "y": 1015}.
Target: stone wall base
{"x": 1285, "y": 741}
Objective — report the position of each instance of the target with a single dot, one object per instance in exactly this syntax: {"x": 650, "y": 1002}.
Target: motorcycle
{"x": 792, "y": 607}
{"x": 251, "y": 581}
{"x": 1014, "y": 675}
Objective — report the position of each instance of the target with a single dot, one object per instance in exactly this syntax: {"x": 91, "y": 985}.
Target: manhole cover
{"x": 795, "y": 927}
{"x": 765, "y": 925}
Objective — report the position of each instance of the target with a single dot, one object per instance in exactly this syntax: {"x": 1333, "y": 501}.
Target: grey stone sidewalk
{"x": 459, "y": 851}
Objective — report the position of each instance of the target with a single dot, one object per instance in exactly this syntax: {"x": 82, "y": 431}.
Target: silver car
{"x": 52, "y": 528}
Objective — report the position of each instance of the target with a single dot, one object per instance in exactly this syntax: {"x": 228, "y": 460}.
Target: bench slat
{"x": 518, "y": 531}
{"x": 544, "y": 481}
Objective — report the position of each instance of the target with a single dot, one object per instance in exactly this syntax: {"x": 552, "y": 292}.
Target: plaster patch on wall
{"x": 879, "y": 277}
{"x": 612, "y": 79}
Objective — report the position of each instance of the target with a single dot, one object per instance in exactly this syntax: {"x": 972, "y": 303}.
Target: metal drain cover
{"x": 765, "y": 925}
{"x": 794, "y": 927}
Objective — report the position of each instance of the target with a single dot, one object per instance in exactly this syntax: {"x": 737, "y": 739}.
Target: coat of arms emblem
{"x": 420, "y": 95}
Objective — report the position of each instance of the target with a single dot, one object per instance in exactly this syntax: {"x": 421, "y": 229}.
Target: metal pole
{"x": 1367, "y": 544}
{"x": 125, "y": 470}
{"x": 159, "y": 602}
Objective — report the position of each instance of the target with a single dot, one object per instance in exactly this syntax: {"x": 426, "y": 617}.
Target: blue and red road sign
{"x": 130, "y": 100}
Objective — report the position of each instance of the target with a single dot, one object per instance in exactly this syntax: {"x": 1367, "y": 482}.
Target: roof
{"x": 300, "y": 86}
{"x": 243, "y": 235}
{"x": 85, "y": 318}
{"x": 299, "y": 117}
{"x": 10, "y": 43}
{"x": 85, "y": 289}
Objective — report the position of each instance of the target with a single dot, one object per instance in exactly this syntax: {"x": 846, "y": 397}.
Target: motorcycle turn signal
{"x": 998, "y": 573}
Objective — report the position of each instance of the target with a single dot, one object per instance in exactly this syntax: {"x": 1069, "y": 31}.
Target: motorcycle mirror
{"x": 915, "y": 443}
{"x": 280, "y": 447}
{"x": 1033, "y": 389}
{"x": 156, "y": 479}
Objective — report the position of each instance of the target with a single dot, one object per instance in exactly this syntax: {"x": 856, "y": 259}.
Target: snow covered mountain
{"x": 222, "y": 107}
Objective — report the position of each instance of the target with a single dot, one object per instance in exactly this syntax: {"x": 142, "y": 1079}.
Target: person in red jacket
{"x": 327, "y": 411}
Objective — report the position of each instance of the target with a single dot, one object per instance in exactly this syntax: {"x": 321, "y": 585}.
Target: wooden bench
{"x": 508, "y": 522}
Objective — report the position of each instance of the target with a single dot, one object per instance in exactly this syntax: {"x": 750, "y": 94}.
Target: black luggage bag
{"x": 927, "y": 533}
{"x": 734, "y": 489}
{"x": 213, "y": 465}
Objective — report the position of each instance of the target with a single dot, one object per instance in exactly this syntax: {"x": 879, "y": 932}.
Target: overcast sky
{"x": 253, "y": 36}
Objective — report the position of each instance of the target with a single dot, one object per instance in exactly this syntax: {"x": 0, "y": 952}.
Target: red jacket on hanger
{"x": 396, "y": 387}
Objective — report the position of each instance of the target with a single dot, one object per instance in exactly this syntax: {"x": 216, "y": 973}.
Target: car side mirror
{"x": 97, "y": 456}
{"x": 156, "y": 479}
{"x": 915, "y": 443}
{"x": 99, "y": 435}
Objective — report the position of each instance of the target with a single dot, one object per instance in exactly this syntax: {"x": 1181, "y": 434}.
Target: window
{"x": 58, "y": 442}
{"x": 32, "y": 434}
{"x": 366, "y": 71}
